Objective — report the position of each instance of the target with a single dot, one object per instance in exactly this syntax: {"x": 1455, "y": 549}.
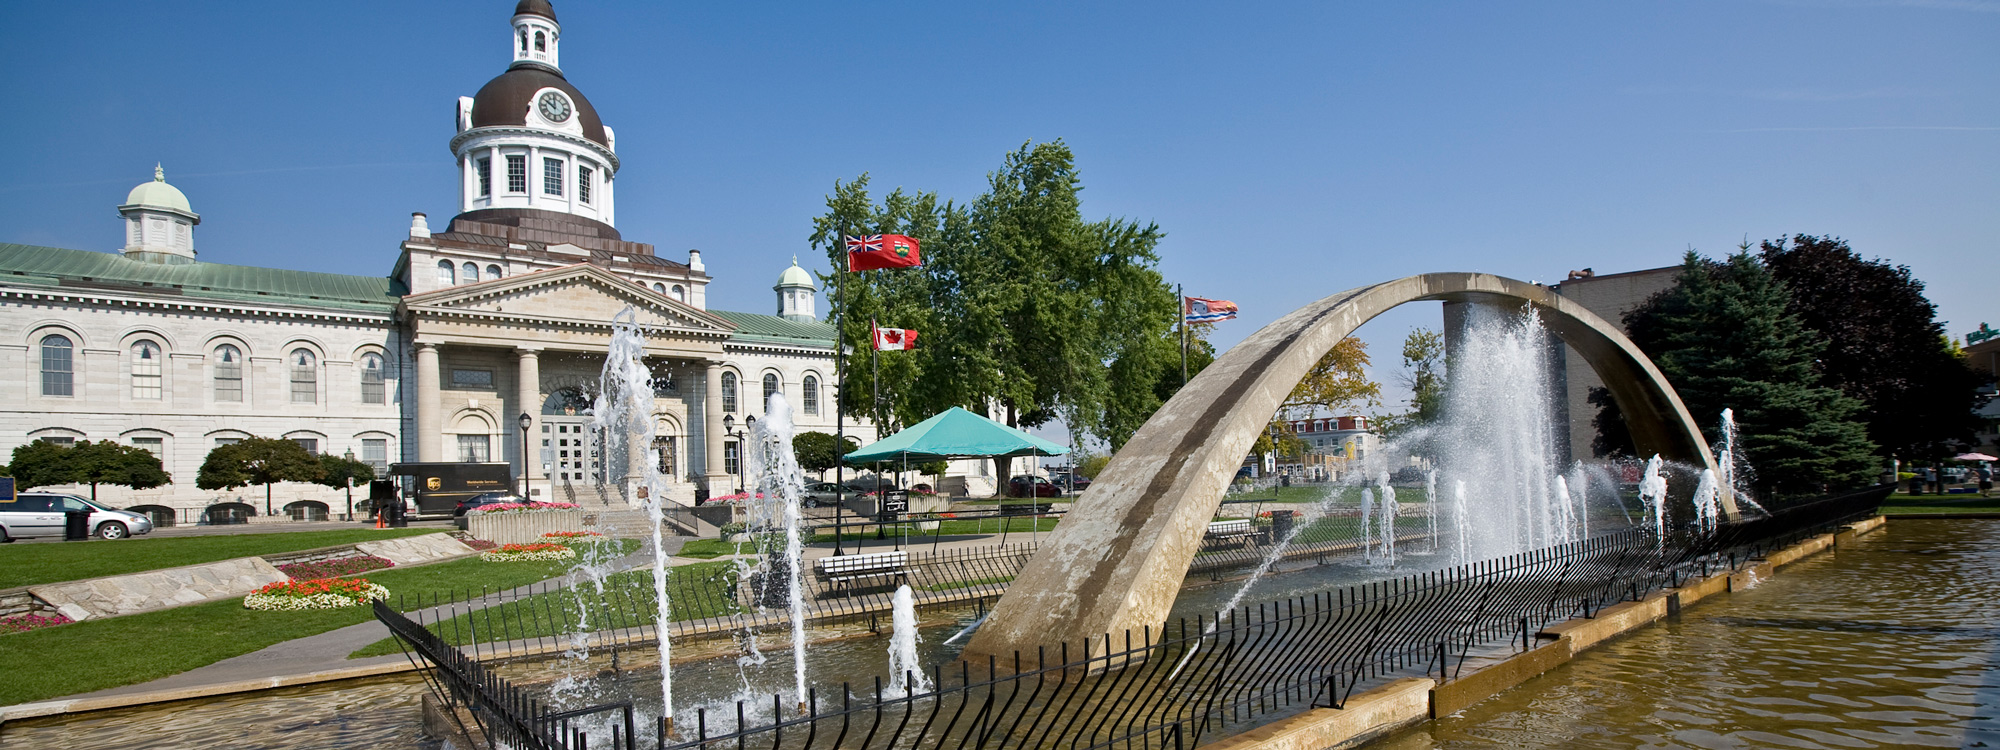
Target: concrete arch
{"x": 1116, "y": 562}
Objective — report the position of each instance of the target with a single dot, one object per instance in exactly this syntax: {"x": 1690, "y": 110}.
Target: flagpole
{"x": 840, "y": 394}
{"x": 1180, "y": 301}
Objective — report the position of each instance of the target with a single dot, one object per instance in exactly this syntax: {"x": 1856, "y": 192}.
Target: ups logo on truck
{"x": 432, "y": 483}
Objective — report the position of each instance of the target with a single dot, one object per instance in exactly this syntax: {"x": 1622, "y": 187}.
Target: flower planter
{"x": 522, "y": 526}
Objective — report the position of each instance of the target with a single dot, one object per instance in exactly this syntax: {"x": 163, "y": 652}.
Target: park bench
{"x": 1233, "y": 529}
{"x": 844, "y": 570}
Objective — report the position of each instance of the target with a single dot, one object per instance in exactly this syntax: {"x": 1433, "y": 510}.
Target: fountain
{"x": 781, "y": 483}
{"x": 906, "y": 676}
{"x": 1497, "y": 434}
{"x": 1653, "y": 495}
{"x": 623, "y": 414}
{"x": 1389, "y": 512}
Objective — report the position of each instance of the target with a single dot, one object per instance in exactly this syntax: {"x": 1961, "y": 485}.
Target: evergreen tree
{"x": 1724, "y": 337}
{"x": 1884, "y": 345}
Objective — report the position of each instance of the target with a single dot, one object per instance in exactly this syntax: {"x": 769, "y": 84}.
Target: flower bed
{"x": 318, "y": 593}
{"x": 32, "y": 621}
{"x": 520, "y": 552}
{"x": 521, "y": 507}
{"x": 336, "y": 567}
{"x": 480, "y": 544}
{"x": 735, "y": 498}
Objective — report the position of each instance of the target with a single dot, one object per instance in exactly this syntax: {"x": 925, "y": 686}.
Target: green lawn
{"x": 99, "y": 654}
{"x": 31, "y": 564}
{"x": 1348, "y": 495}
{"x": 713, "y": 548}
{"x": 1917, "y": 505}
{"x": 697, "y": 591}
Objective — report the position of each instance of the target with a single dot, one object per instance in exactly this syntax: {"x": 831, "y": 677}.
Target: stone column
{"x": 530, "y": 403}
{"x": 719, "y": 482}
{"x": 430, "y": 405}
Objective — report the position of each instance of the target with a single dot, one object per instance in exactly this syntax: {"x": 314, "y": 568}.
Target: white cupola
{"x": 536, "y": 33}
{"x": 796, "y": 294}
{"x": 530, "y": 145}
{"x": 159, "y": 224}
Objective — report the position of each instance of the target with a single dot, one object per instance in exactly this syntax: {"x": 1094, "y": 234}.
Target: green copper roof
{"x": 775, "y": 330}
{"x": 55, "y": 266}
{"x": 796, "y": 276}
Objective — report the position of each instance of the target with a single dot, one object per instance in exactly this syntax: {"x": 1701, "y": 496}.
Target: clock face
{"x": 554, "y": 107}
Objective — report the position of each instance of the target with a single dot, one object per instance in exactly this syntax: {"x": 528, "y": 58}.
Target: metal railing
{"x": 1195, "y": 678}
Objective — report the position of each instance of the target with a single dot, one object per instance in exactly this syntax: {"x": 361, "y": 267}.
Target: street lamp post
{"x": 527, "y": 420}
{"x": 350, "y": 487}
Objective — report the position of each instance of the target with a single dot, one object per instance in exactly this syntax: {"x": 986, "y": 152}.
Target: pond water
{"x": 1891, "y": 643}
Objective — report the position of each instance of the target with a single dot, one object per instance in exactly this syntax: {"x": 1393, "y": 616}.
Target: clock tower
{"x": 530, "y": 146}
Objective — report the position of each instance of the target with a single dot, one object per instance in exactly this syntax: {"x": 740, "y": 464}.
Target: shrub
{"x": 480, "y": 544}
{"x": 335, "y": 568}
{"x": 318, "y": 593}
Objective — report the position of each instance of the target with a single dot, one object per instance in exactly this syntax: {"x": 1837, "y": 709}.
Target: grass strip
{"x": 39, "y": 563}
{"x": 100, "y": 654}
{"x": 695, "y": 591}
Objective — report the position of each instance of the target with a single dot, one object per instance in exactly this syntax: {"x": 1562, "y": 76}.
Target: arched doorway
{"x": 306, "y": 510}
{"x": 223, "y": 514}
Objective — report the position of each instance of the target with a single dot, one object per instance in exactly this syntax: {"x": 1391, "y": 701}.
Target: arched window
{"x": 372, "y": 390}
{"x": 471, "y": 272}
{"x": 809, "y": 398}
{"x": 541, "y": 44}
{"x": 770, "y": 386}
{"x": 228, "y": 373}
{"x": 58, "y": 366}
{"x": 680, "y": 295}
{"x": 524, "y": 40}
{"x": 146, "y": 370}
{"x": 447, "y": 273}
{"x": 305, "y": 377}
{"x": 729, "y": 393}
{"x": 493, "y": 271}
{"x": 659, "y": 287}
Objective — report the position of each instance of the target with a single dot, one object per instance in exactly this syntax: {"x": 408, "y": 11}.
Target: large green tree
{"x": 816, "y": 450}
{"x": 258, "y": 460}
{"x": 341, "y": 473}
{"x": 42, "y": 464}
{"x": 1423, "y": 374}
{"x": 1883, "y": 345}
{"x": 1026, "y": 311}
{"x": 1725, "y": 337}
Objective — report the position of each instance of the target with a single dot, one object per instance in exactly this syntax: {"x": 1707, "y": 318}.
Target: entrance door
{"x": 570, "y": 451}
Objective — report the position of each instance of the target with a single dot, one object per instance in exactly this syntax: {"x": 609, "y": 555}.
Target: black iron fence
{"x": 1193, "y": 678}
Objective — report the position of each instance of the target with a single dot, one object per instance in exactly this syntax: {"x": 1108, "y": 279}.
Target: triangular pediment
{"x": 581, "y": 293}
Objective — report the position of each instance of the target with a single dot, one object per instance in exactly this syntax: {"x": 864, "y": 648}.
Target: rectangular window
{"x": 730, "y": 461}
{"x": 471, "y": 378}
{"x": 485, "y": 177}
{"x": 62, "y": 440}
{"x": 146, "y": 372}
{"x": 517, "y": 173}
{"x": 305, "y": 385}
{"x": 375, "y": 452}
{"x": 153, "y": 445}
{"x": 310, "y": 444}
{"x": 472, "y": 448}
{"x": 372, "y": 390}
{"x": 583, "y": 175}
{"x": 222, "y": 441}
{"x": 229, "y": 380}
{"x": 552, "y": 176}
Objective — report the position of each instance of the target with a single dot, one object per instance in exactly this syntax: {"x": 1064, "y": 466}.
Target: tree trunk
{"x": 93, "y": 493}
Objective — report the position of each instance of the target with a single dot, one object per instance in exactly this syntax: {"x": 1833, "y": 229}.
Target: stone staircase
{"x": 632, "y": 523}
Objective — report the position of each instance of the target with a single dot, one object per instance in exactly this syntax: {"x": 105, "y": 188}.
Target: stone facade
{"x": 1609, "y": 296}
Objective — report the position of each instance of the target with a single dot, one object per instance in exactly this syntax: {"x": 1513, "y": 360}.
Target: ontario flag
{"x": 882, "y": 251}
{"x": 1200, "y": 310}
{"x": 895, "y": 339}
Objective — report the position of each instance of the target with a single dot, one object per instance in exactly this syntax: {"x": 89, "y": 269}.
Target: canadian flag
{"x": 895, "y": 339}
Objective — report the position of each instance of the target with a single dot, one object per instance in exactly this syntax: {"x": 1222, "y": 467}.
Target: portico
{"x": 488, "y": 352}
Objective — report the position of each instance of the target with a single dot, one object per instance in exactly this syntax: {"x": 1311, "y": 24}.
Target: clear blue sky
{"x": 1289, "y": 150}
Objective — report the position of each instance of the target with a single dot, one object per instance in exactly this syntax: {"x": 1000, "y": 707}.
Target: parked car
{"x": 483, "y": 499}
{"x": 869, "y": 483}
{"x": 1027, "y": 486}
{"x": 825, "y": 494}
{"x": 1069, "y": 481}
{"x": 36, "y": 514}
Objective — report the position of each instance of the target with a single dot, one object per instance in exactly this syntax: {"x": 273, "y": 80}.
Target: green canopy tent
{"x": 954, "y": 434}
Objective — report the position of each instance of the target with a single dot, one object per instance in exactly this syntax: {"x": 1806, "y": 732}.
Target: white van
{"x": 37, "y": 514}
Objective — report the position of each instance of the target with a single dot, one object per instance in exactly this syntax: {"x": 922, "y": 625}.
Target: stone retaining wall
{"x": 522, "y": 527}
{"x": 158, "y": 589}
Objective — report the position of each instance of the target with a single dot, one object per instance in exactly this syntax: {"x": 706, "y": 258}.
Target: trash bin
{"x": 398, "y": 515}
{"x": 76, "y": 525}
{"x": 1281, "y": 525}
